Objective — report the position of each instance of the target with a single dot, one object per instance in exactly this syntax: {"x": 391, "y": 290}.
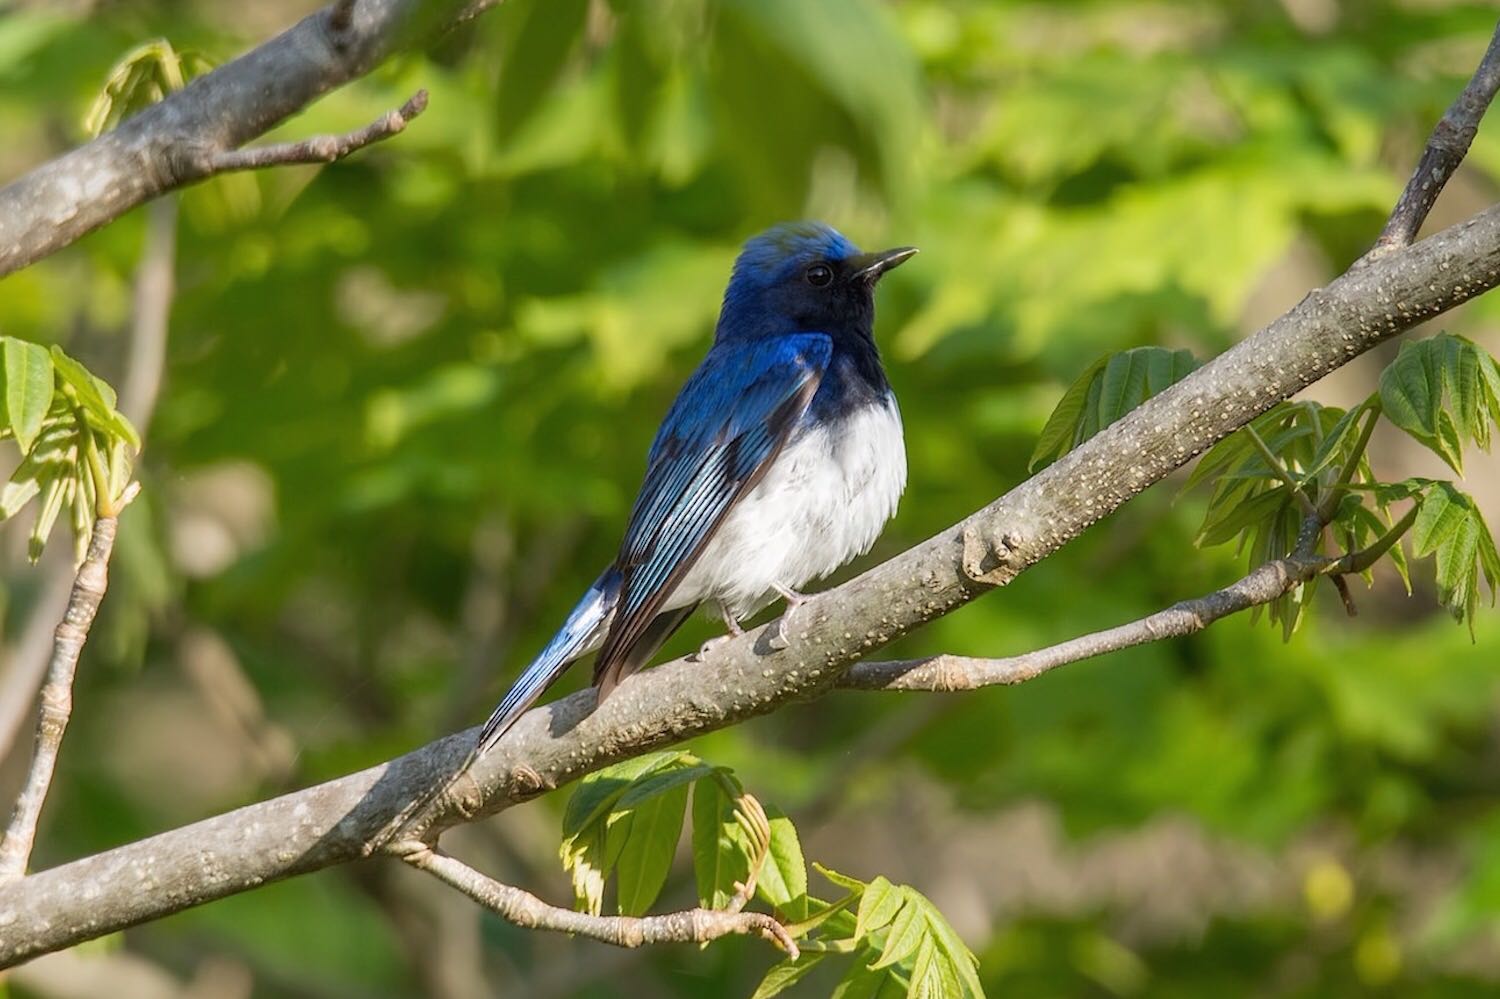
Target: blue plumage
{"x": 780, "y": 459}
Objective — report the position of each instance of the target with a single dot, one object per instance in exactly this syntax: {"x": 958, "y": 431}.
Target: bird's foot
{"x": 776, "y": 637}
{"x": 731, "y": 626}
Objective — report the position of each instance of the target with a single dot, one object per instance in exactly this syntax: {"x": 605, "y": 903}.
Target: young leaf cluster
{"x": 76, "y": 448}
{"x": 141, "y": 77}
{"x": 1303, "y": 462}
{"x": 625, "y": 822}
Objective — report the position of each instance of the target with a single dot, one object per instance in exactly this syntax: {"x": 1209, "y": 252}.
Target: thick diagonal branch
{"x": 353, "y": 816}
{"x": 526, "y": 910}
{"x": 1445, "y": 150}
{"x": 57, "y": 697}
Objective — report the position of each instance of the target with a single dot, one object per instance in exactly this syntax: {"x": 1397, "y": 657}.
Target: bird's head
{"x": 804, "y": 276}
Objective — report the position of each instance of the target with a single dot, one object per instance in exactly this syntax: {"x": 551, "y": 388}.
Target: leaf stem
{"x": 1330, "y": 503}
{"x": 1364, "y": 558}
{"x": 1281, "y": 472}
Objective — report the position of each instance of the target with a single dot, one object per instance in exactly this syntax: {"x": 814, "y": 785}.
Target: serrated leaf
{"x": 96, "y": 398}
{"x": 28, "y": 389}
{"x": 1108, "y": 389}
{"x": 719, "y": 858}
{"x": 650, "y": 834}
{"x": 1056, "y": 438}
{"x": 784, "y": 975}
{"x": 1333, "y": 444}
{"x": 905, "y": 934}
{"x": 783, "y": 878}
{"x": 877, "y": 907}
{"x": 1443, "y": 512}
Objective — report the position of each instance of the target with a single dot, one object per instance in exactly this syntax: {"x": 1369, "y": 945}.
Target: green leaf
{"x": 28, "y": 389}
{"x": 1223, "y": 521}
{"x": 650, "y": 831}
{"x": 584, "y": 859}
{"x": 783, "y": 877}
{"x": 57, "y": 493}
{"x": 1443, "y": 391}
{"x": 859, "y": 982}
{"x": 598, "y": 792}
{"x": 784, "y": 975}
{"x": 842, "y": 880}
{"x": 877, "y": 907}
{"x": 1108, "y": 389}
{"x": 719, "y": 858}
{"x": 96, "y": 398}
{"x": 906, "y": 932}
{"x": 1056, "y": 438}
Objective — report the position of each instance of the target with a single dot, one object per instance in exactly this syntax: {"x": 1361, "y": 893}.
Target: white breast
{"x": 823, "y": 502}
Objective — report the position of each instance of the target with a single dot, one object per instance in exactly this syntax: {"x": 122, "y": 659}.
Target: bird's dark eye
{"x": 819, "y": 275}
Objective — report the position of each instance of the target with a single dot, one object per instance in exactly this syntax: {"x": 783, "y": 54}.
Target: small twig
{"x": 317, "y": 149}
{"x": 1281, "y": 473}
{"x": 1445, "y": 150}
{"x": 57, "y": 697}
{"x": 526, "y": 910}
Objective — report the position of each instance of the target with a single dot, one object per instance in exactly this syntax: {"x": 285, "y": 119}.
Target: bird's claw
{"x": 776, "y": 638}
{"x": 708, "y": 646}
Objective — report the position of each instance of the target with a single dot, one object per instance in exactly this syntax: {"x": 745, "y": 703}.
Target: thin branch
{"x": 947, "y": 673}
{"x": 57, "y": 697}
{"x": 171, "y": 143}
{"x": 526, "y": 910}
{"x": 319, "y": 148}
{"x": 1445, "y": 150}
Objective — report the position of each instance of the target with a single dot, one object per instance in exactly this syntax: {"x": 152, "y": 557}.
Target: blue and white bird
{"x": 781, "y": 459}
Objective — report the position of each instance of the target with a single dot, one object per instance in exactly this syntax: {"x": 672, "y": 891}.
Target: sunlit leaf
{"x": 784, "y": 975}
{"x": 28, "y": 389}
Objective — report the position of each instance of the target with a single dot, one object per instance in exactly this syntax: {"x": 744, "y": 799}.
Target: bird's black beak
{"x": 870, "y": 266}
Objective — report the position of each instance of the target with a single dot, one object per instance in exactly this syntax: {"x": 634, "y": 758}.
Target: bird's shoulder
{"x": 741, "y": 382}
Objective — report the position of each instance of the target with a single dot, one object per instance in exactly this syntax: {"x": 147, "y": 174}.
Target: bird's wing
{"x": 722, "y": 433}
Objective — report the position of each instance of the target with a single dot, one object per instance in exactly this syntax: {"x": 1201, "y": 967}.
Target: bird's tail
{"x": 580, "y": 634}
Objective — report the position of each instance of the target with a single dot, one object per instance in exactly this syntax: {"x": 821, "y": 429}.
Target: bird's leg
{"x": 777, "y": 635}
{"x": 733, "y": 627}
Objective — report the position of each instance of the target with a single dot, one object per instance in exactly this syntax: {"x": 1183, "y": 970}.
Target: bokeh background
{"x": 404, "y": 407}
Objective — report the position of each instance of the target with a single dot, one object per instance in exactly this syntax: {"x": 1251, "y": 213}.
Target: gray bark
{"x": 418, "y": 795}
{"x": 186, "y": 137}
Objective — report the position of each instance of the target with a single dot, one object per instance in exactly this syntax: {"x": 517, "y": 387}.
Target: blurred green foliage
{"x": 408, "y": 396}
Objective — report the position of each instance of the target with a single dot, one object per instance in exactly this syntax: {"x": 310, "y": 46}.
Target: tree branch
{"x": 526, "y": 910}
{"x": 416, "y": 796}
{"x": 1445, "y": 150}
{"x": 186, "y": 137}
{"x": 57, "y": 697}
{"x": 354, "y": 816}
{"x": 948, "y": 673}
{"x": 319, "y": 148}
